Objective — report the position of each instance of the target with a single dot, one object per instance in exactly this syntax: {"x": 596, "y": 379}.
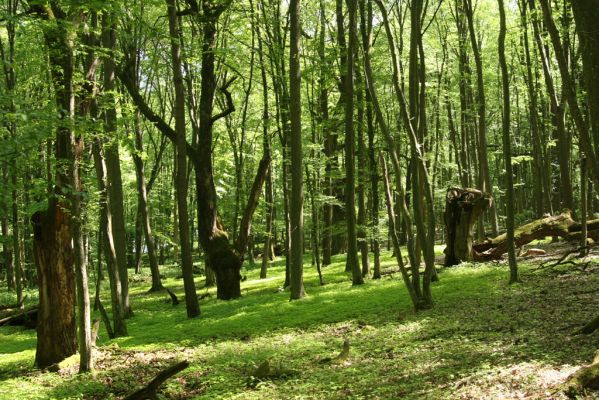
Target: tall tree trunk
{"x": 113, "y": 164}
{"x": 213, "y": 238}
{"x": 296, "y": 267}
{"x": 543, "y": 189}
{"x": 570, "y": 94}
{"x": 352, "y": 262}
{"x": 366, "y": 33}
{"x": 191, "y": 298}
{"x": 142, "y": 202}
{"x": 268, "y": 195}
{"x": 586, "y": 15}
{"x": 53, "y": 251}
{"x": 484, "y": 175}
{"x": 8, "y": 62}
{"x": 557, "y": 115}
{"x": 507, "y": 146}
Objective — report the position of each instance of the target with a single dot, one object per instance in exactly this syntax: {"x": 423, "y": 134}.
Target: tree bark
{"x": 462, "y": 209}
{"x": 191, "y": 298}
{"x": 296, "y": 267}
{"x": 484, "y": 175}
{"x": 352, "y": 261}
{"x": 112, "y": 159}
{"x": 507, "y": 147}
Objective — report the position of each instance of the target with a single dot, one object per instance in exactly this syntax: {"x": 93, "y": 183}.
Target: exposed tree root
{"x": 150, "y": 391}
{"x": 586, "y": 378}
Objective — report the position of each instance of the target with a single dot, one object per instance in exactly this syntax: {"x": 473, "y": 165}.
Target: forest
{"x": 326, "y": 199}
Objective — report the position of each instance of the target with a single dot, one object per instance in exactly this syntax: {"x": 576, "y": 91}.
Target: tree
{"x": 353, "y": 263}
{"x": 507, "y": 146}
{"x": 297, "y": 196}
{"x": 191, "y": 298}
{"x": 56, "y": 327}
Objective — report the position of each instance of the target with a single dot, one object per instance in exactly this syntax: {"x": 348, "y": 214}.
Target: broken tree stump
{"x": 462, "y": 209}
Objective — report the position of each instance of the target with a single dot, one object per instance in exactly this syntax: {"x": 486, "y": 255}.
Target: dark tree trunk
{"x": 462, "y": 209}
{"x": 352, "y": 261}
{"x": 56, "y": 327}
{"x": 53, "y": 251}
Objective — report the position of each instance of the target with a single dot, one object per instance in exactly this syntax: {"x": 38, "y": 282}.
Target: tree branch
{"x": 230, "y": 106}
{"x": 147, "y": 111}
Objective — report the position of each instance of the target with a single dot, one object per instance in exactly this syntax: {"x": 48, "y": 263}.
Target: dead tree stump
{"x": 462, "y": 209}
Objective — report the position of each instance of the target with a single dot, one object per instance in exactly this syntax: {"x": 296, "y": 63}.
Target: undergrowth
{"x": 483, "y": 339}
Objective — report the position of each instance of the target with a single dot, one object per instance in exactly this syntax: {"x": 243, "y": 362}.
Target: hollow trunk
{"x": 462, "y": 209}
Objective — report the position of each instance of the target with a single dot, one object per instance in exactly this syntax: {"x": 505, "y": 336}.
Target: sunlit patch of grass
{"x": 483, "y": 339}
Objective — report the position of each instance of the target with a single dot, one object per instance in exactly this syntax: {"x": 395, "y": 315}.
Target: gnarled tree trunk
{"x": 462, "y": 209}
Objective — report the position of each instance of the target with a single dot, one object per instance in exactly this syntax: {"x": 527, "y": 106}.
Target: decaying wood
{"x": 561, "y": 225}
{"x": 18, "y": 305}
{"x": 591, "y": 327}
{"x": 149, "y": 392}
{"x": 583, "y": 379}
{"x": 462, "y": 209}
{"x": 27, "y": 318}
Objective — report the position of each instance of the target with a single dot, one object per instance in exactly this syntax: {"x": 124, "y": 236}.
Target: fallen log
{"x": 590, "y": 327}
{"x": 26, "y": 318}
{"x": 149, "y": 392}
{"x": 583, "y": 379}
{"x": 561, "y": 225}
{"x": 18, "y": 305}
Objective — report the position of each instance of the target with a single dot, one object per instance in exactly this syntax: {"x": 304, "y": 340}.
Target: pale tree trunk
{"x": 362, "y": 165}
{"x": 542, "y": 187}
{"x": 267, "y": 249}
{"x": 142, "y": 202}
{"x": 557, "y": 116}
{"x": 113, "y": 164}
{"x": 483, "y": 163}
{"x": 191, "y": 298}
{"x": 507, "y": 146}
{"x": 296, "y": 267}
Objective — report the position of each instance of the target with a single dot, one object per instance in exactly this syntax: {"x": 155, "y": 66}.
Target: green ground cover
{"x": 483, "y": 339}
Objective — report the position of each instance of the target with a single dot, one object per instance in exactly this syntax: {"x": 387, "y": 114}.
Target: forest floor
{"x": 484, "y": 339}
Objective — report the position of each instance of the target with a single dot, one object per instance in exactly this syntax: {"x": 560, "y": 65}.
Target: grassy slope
{"x": 483, "y": 339}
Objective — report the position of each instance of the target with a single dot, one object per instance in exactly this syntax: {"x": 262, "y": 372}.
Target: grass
{"x": 483, "y": 339}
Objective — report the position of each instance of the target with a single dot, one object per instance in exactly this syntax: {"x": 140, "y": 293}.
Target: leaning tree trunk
{"x": 462, "y": 209}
